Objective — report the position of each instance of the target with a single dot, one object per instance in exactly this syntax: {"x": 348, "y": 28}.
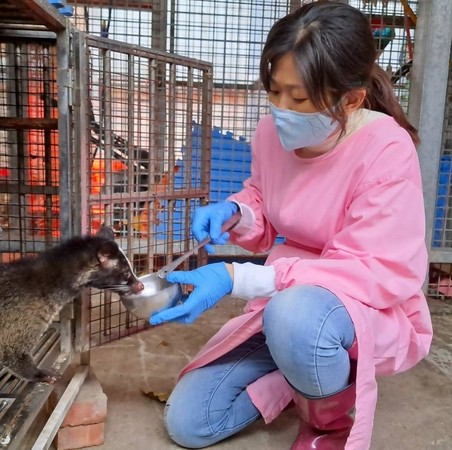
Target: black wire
{"x": 86, "y": 14}
{"x": 104, "y": 30}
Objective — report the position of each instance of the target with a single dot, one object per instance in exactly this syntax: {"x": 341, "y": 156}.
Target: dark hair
{"x": 335, "y": 53}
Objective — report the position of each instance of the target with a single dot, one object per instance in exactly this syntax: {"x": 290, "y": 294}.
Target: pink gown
{"x": 354, "y": 223}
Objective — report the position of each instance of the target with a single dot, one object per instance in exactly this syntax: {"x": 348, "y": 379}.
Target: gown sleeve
{"x": 254, "y": 232}
{"x": 378, "y": 256}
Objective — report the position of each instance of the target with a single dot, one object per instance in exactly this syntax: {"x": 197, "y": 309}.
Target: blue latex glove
{"x": 207, "y": 221}
{"x": 211, "y": 282}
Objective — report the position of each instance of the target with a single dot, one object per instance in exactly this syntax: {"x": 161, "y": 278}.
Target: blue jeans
{"x": 306, "y": 334}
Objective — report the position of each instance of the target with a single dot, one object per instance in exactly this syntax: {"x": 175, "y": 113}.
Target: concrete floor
{"x": 414, "y": 409}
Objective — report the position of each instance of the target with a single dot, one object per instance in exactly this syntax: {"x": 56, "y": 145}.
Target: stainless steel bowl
{"x": 158, "y": 293}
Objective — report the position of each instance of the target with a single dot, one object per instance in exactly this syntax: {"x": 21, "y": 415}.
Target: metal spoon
{"x": 158, "y": 293}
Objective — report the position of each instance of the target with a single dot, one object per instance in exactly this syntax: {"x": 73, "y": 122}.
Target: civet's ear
{"x": 108, "y": 254}
{"x": 106, "y": 233}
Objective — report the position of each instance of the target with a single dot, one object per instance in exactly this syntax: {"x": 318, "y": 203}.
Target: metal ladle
{"x": 158, "y": 293}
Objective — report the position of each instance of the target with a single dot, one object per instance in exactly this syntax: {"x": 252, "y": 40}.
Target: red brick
{"x": 89, "y": 407}
{"x": 71, "y": 438}
{"x": 90, "y": 404}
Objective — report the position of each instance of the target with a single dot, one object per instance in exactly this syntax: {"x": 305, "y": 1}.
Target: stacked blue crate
{"x": 62, "y": 7}
{"x": 230, "y": 164}
{"x": 442, "y": 200}
{"x": 175, "y": 226}
{"x": 230, "y": 167}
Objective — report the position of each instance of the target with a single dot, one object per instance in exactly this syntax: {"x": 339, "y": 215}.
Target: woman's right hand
{"x": 207, "y": 222}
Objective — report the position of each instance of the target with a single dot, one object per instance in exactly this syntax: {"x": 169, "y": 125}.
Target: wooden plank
{"x": 126, "y": 4}
{"x": 11, "y": 188}
{"x": 28, "y": 123}
{"x": 15, "y": 32}
{"x": 39, "y": 12}
{"x": 409, "y": 12}
{"x": 59, "y": 413}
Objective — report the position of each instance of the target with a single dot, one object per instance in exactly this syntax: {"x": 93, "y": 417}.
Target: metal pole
{"x": 64, "y": 160}
{"x": 429, "y": 84}
{"x": 64, "y": 134}
{"x": 81, "y": 170}
{"x": 159, "y": 35}
{"x": 81, "y": 135}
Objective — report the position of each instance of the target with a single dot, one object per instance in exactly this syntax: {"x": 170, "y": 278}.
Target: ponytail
{"x": 380, "y": 97}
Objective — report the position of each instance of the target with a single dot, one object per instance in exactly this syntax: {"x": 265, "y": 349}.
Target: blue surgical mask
{"x": 298, "y": 130}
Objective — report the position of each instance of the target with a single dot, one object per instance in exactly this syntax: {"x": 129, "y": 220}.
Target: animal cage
{"x": 30, "y": 201}
{"x": 92, "y": 132}
{"x": 136, "y": 110}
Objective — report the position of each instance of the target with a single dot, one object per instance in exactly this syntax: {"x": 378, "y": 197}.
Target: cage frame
{"x": 70, "y": 346}
{"x": 30, "y": 398}
{"x": 82, "y": 42}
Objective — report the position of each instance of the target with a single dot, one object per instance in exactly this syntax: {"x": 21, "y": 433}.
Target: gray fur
{"x": 33, "y": 291}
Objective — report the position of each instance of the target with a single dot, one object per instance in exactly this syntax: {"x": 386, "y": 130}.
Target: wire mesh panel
{"x": 442, "y": 231}
{"x": 145, "y": 125}
{"x": 129, "y": 21}
{"x": 230, "y": 35}
{"x": 393, "y": 24}
{"x": 29, "y": 148}
{"x": 30, "y": 197}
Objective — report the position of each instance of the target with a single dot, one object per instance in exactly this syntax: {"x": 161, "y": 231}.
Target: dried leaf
{"x": 161, "y": 397}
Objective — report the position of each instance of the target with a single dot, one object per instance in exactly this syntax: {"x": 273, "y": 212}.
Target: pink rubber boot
{"x": 325, "y": 421}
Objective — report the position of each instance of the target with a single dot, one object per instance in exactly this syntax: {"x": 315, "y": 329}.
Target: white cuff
{"x": 246, "y": 222}
{"x": 253, "y": 281}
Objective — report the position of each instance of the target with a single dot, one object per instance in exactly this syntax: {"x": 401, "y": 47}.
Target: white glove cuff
{"x": 253, "y": 281}
{"x": 246, "y": 222}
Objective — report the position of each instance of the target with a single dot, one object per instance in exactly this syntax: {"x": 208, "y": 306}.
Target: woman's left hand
{"x": 211, "y": 282}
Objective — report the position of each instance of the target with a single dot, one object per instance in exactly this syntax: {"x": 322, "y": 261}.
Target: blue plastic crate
{"x": 230, "y": 167}
{"x": 442, "y": 200}
{"x": 67, "y": 11}
{"x": 177, "y": 224}
{"x": 57, "y": 3}
{"x": 62, "y": 7}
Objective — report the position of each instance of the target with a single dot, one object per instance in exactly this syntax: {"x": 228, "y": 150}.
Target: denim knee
{"x": 210, "y": 404}
{"x": 290, "y": 315}
{"x": 184, "y": 426}
{"x": 308, "y": 330}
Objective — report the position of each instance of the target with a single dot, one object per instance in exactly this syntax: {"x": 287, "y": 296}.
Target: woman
{"x": 335, "y": 172}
